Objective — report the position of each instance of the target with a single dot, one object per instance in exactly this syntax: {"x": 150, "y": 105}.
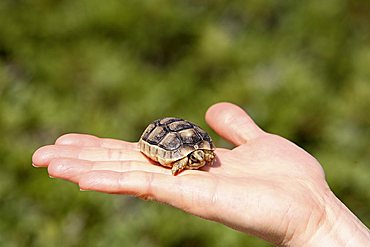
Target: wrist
{"x": 338, "y": 227}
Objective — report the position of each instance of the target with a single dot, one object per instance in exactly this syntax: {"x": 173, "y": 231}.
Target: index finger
{"x": 94, "y": 141}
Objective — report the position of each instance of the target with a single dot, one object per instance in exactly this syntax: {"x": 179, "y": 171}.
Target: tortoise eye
{"x": 197, "y": 156}
{"x": 193, "y": 159}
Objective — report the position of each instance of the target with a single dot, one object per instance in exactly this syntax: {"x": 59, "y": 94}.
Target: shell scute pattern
{"x": 168, "y": 120}
{"x": 147, "y": 131}
{"x": 179, "y": 125}
{"x": 190, "y": 136}
{"x": 203, "y": 134}
{"x": 170, "y": 142}
{"x": 156, "y": 135}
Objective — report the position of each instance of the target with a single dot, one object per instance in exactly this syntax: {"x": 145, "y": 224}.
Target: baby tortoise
{"x": 177, "y": 143}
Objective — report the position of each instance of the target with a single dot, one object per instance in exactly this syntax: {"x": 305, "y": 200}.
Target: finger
{"x": 68, "y": 169}
{"x": 138, "y": 183}
{"x": 191, "y": 193}
{"x": 44, "y": 155}
{"x": 232, "y": 123}
{"x": 93, "y": 141}
{"x": 72, "y": 169}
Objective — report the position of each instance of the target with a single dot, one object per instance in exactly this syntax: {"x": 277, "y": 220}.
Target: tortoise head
{"x": 199, "y": 158}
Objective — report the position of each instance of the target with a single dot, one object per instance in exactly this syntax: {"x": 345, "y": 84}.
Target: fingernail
{"x": 83, "y": 190}
{"x": 51, "y": 176}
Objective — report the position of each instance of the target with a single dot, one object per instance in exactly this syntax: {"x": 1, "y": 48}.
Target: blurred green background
{"x": 300, "y": 68}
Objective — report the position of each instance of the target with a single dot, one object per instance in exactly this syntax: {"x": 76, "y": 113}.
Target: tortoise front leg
{"x": 179, "y": 165}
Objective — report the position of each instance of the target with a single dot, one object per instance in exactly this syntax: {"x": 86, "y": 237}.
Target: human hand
{"x": 266, "y": 186}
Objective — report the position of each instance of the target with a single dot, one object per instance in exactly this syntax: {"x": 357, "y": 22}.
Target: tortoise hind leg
{"x": 179, "y": 165}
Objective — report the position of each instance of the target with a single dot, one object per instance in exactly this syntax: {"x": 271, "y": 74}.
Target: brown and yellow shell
{"x": 167, "y": 140}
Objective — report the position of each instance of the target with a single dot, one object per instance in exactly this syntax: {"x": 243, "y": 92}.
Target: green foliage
{"x": 108, "y": 68}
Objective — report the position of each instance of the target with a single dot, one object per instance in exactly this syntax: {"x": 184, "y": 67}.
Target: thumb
{"x": 232, "y": 123}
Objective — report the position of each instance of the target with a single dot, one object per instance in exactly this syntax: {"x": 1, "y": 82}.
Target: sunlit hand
{"x": 266, "y": 186}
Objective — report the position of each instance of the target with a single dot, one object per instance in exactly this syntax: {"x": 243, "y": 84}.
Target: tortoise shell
{"x": 167, "y": 140}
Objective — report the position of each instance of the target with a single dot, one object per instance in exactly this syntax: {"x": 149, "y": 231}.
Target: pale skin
{"x": 266, "y": 186}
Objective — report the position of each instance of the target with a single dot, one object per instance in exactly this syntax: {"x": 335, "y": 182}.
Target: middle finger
{"x": 71, "y": 169}
{"x": 44, "y": 155}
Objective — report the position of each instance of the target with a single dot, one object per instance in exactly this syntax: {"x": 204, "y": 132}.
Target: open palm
{"x": 266, "y": 186}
